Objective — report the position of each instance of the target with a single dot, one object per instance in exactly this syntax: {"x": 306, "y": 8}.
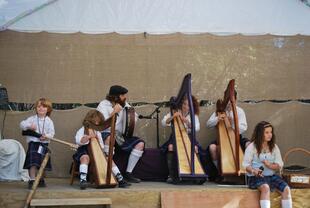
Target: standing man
{"x": 115, "y": 104}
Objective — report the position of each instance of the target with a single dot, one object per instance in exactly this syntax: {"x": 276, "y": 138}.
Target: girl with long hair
{"x": 262, "y": 160}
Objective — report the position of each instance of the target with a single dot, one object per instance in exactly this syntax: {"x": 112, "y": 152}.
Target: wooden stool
{"x": 69, "y": 202}
{"x": 74, "y": 172}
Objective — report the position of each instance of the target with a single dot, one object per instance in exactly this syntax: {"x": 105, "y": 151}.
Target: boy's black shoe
{"x": 30, "y": 183}
{"x": 219, "y": 179}
{"x": 130, "y": 178}
{"x": 171, "y": 180}
{"x": 83, "y": 184}
{"x": 42, "y": 183}
{"x": 123, "y": 184}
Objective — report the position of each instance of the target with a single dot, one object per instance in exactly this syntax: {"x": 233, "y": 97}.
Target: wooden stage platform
{"x": 150, "y": 195}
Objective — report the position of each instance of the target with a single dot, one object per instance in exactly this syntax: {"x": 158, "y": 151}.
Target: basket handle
{"x": 297, "y": 149}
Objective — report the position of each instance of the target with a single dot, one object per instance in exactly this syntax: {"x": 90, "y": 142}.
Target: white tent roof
{"x": 220, "y": 17}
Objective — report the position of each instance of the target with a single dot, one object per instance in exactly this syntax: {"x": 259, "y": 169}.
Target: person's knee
{"x": 107, "y": 140}
{"x": 286, "y": 192}
{"x": 265, "y": 189}
{"x": 213, "y": 148}
{"x": 84, "y": 159}
{"x": 140, "y": 146}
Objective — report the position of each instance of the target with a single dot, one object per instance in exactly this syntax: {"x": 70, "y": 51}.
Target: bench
{"x": 70, "y": 201}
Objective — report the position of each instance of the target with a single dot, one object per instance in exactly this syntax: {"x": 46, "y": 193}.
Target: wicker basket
{"x": 297, "y": 179}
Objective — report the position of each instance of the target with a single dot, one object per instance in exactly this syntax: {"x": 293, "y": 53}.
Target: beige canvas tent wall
{"x": 80, "y": 67}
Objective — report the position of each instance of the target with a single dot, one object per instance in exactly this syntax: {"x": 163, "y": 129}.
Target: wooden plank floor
{"x": 146, "y": 194}
{"x": 70, "y": 202}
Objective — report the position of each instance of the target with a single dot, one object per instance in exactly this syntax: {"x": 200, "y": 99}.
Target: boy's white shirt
{"x": 80, "y": 133}
{"x": 48, "y": 130}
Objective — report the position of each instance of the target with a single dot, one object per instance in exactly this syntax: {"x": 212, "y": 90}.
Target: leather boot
{"x": 171, "y": 167}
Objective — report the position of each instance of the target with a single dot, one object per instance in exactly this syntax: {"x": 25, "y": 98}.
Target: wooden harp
{"x": 189, "y": 166}
{"x": 231, "y": 154}
{"x": 100, "y": 165}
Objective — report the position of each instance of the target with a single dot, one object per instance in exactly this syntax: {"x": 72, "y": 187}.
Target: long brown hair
{"x": 112, "y": 98}
{"x": 116, "y": 99}
{"x": 258, "y": 136}
{"x": 196, "y": 105}
{"x": 90, "y": 120}
{"x": 45, "y": 103}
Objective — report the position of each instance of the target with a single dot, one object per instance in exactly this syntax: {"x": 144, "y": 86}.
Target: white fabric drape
{"x": 12, "y": 157}
{"x": 220, "y": 17}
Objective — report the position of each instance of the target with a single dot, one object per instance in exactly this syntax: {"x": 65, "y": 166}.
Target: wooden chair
{"x": 74, "y": 172}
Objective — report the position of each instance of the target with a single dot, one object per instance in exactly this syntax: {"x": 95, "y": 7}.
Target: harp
{"x": 100, "y": 165}
{"x": 189, "y": 166}
{"x": 231, "y": 154}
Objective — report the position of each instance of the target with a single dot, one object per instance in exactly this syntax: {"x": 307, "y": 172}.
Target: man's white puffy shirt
{"x": 243, "y": 126}
{"x": 106, "y": 108}
{"x": 48, "y": 125}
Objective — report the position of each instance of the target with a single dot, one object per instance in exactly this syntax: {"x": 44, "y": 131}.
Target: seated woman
{"x": 212, "y": 150}
{"x": 262, "y": 159}
{"x": 168, "y": 147}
